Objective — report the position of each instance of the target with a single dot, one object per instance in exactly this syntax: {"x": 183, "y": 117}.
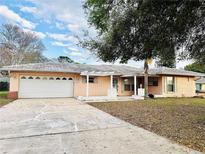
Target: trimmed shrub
{"x": 4, "y": 86}
{"x": 151, "y": 96}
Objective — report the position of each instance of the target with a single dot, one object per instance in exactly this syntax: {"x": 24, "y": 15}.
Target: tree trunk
{"x": 146, "y": 67}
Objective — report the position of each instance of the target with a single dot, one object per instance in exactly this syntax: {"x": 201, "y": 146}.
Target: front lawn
{"x": 3, "y": 99}
{"x": 3, "y": 94}
{"x": 179, "y": 119}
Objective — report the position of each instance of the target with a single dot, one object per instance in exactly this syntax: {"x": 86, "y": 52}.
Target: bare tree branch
{"x": 18, "y": 46}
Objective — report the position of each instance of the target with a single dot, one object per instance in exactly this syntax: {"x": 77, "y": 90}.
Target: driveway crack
{"x": 59, "y": 133}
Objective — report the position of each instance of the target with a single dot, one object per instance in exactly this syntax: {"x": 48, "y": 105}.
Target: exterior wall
{"x": 14, "y": 82}
{"x": 185, "y": 87}
{"x": 156, "y": 90}
{"x": 100, "y": 88}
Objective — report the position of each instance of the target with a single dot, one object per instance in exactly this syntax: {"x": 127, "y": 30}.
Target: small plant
{"x": 4, "y": 86}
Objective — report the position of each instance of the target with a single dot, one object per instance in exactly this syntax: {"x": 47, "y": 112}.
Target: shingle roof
{"x": 174, "y": 71}
{"x": 201, "y": 80}
{"x": 72, "y": 68}
{"x": 78, "y": 68}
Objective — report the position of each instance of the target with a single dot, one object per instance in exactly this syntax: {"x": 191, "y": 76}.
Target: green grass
{"x": 179, "y": 119}
{"x": 3, "y": 94}
{"x": 4, "y": 101}
{"x": 3, "y": 98}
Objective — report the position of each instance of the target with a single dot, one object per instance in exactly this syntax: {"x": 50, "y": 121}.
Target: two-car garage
{"x": 45, "y": 87}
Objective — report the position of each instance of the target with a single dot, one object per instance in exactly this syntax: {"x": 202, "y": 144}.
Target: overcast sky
{"x": 57, "y": 22}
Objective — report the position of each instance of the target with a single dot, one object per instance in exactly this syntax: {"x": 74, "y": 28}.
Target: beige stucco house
{"x": 45, "y": 80}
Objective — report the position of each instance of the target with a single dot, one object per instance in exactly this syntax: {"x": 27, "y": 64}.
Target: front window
{"x": 91, "y": 79}
{"x": 170, "y": 84}
{"x": 153, "y": 81}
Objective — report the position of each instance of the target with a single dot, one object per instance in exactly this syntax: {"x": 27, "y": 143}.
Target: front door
{"x": 115, "y": 83}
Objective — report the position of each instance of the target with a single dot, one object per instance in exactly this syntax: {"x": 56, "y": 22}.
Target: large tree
{"x": 18, "y": 46}
{"x": 145, "y": 29}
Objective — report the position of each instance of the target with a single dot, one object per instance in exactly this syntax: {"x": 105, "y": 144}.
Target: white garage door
{"x": 45, "y": 87}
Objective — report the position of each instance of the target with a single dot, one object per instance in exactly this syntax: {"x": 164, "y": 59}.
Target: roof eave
{"x": 180, "y": 74}
{"x": 18, "y": 70}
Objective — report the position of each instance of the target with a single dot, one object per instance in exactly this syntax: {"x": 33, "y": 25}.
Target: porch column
{"x": 135, "y": 85}
{"x": 87, "y": 85}
{"x": 111, "y": 82}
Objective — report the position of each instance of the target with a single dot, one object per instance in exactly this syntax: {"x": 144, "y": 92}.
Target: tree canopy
{"x": 140, "y": 29}
{"x": 66, "y": 59}
{"x": 18, "y": 46}
{"x": 167, "y": 58}
{"x": 196, "y": 67}
{"x": 145, "y": 29}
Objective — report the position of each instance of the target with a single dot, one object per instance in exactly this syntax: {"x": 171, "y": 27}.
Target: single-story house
{"x": 200, "y": 84}
{"x": 44, "y": 80}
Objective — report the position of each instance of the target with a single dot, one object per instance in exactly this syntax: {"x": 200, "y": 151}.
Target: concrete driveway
{"x": 66, "y": 126}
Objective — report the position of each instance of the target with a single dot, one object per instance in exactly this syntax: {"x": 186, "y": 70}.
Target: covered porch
{"x": 121, "y": 87}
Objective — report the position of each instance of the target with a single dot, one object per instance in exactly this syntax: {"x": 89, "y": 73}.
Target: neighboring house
{"x": 200, "y": 84}
{"x": 4, "y": 78}
{"x": 44, "y": 80}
